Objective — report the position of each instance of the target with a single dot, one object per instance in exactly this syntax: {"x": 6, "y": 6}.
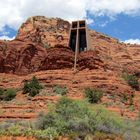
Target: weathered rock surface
{"x": 23, "y": 58}
{"x": 41, "y": 49}
{"x": 49, "y": 32}
{"x": 31, "y": 50}
{"x": 117, "y": 56}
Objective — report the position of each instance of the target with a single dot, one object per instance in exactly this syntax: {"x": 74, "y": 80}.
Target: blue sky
{"x": 117, "y": 18}
{"x": 122, "y": 27}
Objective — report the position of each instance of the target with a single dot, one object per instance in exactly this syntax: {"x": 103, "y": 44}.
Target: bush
{"x": 93, "y": 95}
{"x": 77, "y": 117}
{"x": 1, "y": 93}
{"x": 132, "y": 130}
{"x": 14, "y": 130}
{"x": 125, "y": 98}
{"x": 131, "y": 80}
{"x": 32, "y": 87}
{"x": 108, "y": 122}
{"x": 47, "y": 46}
{"x": 49, "y": 133}
{"x": 8, "y": 94}
{"x": 60, "y": 90}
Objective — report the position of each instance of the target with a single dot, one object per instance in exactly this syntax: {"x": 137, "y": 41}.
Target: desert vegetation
{"x": 32, "y": 87}
{"x": 76, "y": 120}
{"x": 7, "y": 94}
{"x": 93, "y": 95}
{"x": 132, "y": 80}
{"x": 60, "y": 90}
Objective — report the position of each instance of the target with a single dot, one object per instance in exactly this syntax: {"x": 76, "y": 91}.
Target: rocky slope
{"x": 31, "y": 50}
{"x": 41, "y": 49}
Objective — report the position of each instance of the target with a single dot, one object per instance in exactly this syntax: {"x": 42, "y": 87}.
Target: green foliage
{"x": 1, "y": 93}
{"x": 60, "y": 90}
{"x": 131, "y": 80}
{"x": 131, "y": 100}
{"x": 47, "y": 46}
{"x": 125, "y": 98}
{"x": 77, "y": 119}
{"x": 132, "y": 130}
{"x": 14, "y": 130}
{"x": 10, "y": 94}
{"x": 104, "y": 136}
{"x": 49, "y": 133}
{"x": 32, "y": 87}
{"x": 108, "y": 122}
{"x": 68, "y": 117}
{"x": 7, "y": 94}
{"x": 93, "y": 95}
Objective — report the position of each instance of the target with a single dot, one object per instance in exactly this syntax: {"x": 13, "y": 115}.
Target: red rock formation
{"x": 58, "y": 57}
{"x": 117, "y": 56}
{"x": 31, "y": 52}
{"x": 49, "y": 32}
{"x": 41, "y": 49}
{"x": 1, "y": 64}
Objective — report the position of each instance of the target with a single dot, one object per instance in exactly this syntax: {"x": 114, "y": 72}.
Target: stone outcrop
{"x": 117, "y": 56}
{"x": 42, "y": 44}
{"x": 41, "y": 49}
{"x": 49, "y": 32}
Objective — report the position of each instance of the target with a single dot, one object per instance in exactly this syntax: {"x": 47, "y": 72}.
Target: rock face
{"x": 117, "y": 56}
{"x": 39, "y": 46}
{"x": 42, "y": 44}
{"x": 1, "y": 64}
{"x": 41, "y": 49}
{"x": 49, "y": 32}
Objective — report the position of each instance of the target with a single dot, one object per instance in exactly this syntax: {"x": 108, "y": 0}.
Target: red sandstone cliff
{"x": 41, "y": 49}
{"x": 31, "y": 50}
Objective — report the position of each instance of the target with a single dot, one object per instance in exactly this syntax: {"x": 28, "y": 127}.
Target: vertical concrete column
{"x": 77, "y": 47}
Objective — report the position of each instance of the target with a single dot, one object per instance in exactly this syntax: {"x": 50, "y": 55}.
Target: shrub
{"x": 132, "y": 130}
{"x": 60, "y": 90}
{"x": 93, "y": 95}
{"x": 131, "y": 80}
{"x": 1, "y": 93}
{"x": 131, "y": 100}
{"x": 47, "y": 46}
{"x": 77, "y": 117}
{"x": 14, "y": 130}
{"x": 10, "y": 94}
{"x": 49, "y": 133}
{"x": 32, "y": 87}
{"x": 125, "y": 98}
{"x": 105, "y": 136}
{"x": 108, "y": 122}
{"x": 7, "y": 94}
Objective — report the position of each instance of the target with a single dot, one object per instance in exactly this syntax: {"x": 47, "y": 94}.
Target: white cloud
{"x": 112, "y": 7}
{"x": 104, "y": 24}
{"x": 6, "y": 38}
{"x": 14, "y": 12}
{"x": 133, "y": 41}
{"x": 90, "y": 21}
